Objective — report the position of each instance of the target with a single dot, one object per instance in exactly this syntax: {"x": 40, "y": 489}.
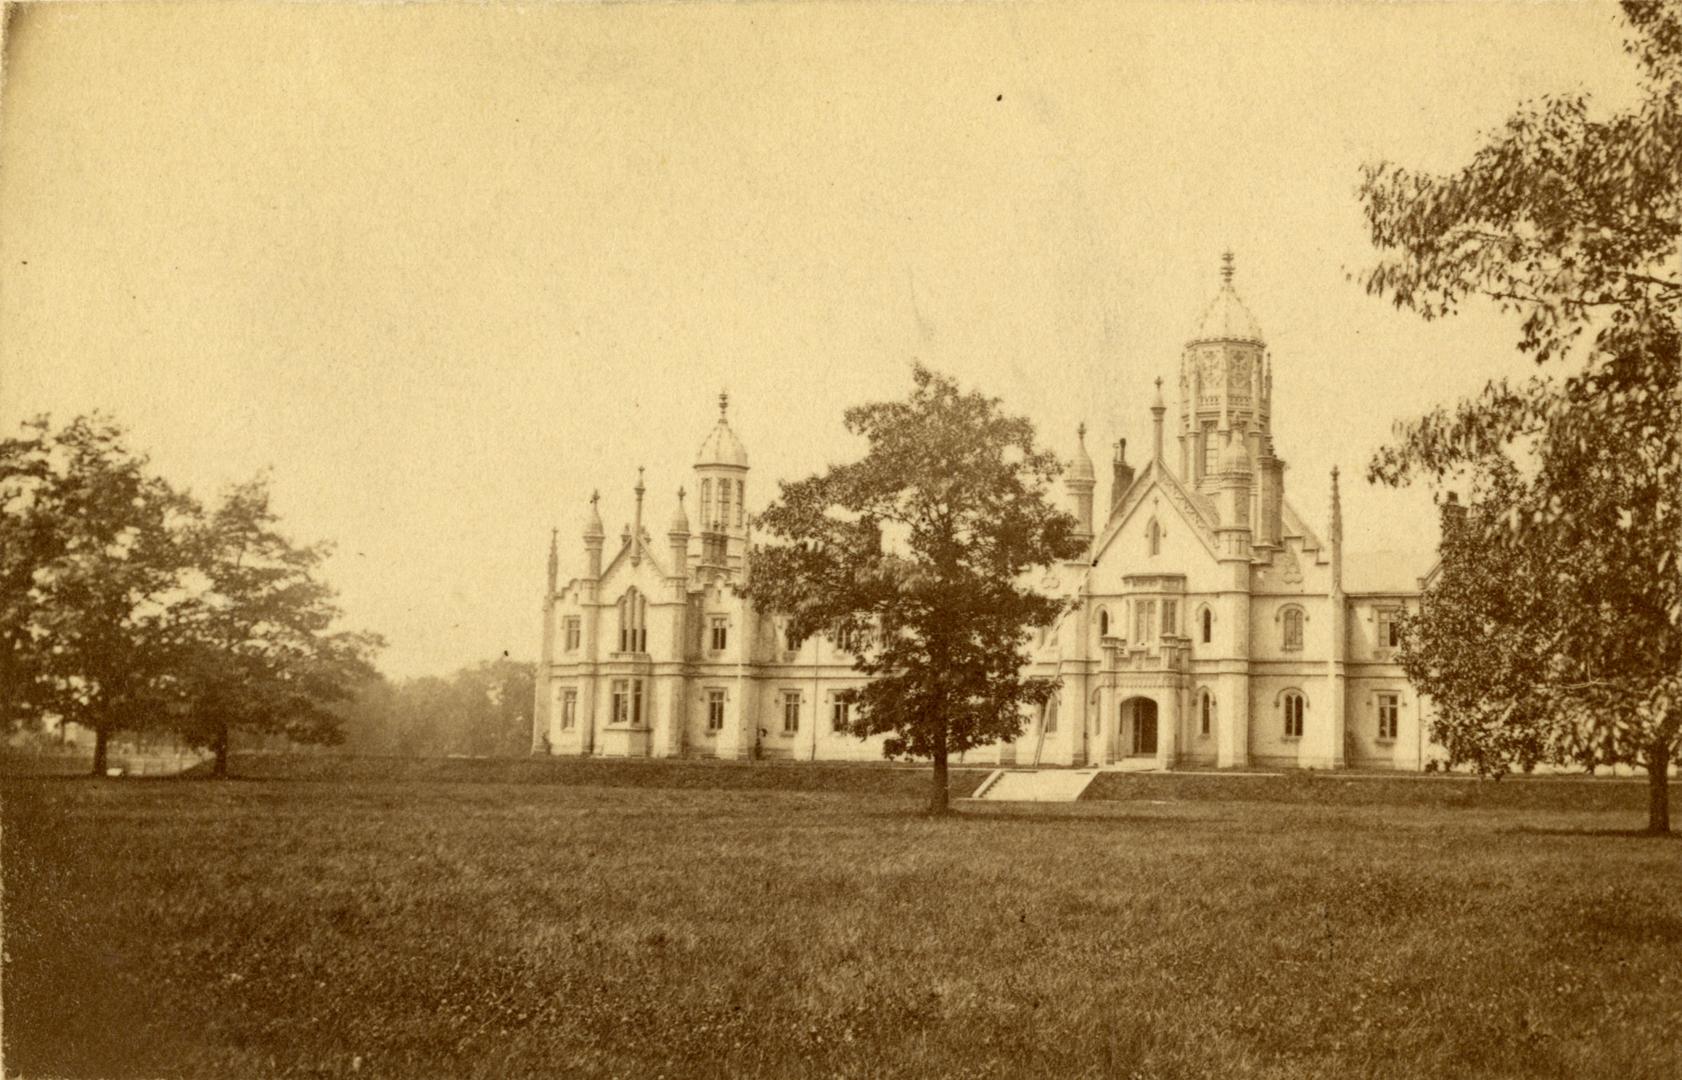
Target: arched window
{"x": 1153, "y": 537}
{"x": 1103, "y": 623}
{"x": 1293, "y": 714}
{"x": 1208, "y": 621}
{"x": 1291, "y": 632}
{"x": 1206, "y": 713}
{"x": 741, "y": 503}
{"x": 633, "y": 631}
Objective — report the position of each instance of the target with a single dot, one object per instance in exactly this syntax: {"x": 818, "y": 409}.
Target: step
{"x": 1035, "y": 785}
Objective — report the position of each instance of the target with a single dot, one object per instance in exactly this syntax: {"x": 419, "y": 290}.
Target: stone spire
{"x": 1157, "y": 409}
{"x": 1081, "y": 482}
{"x": 594, "y": 534}
{"x": 1336, "y": 535}
{"x": 636, "y": 529}
{"x": 554, "y": 557}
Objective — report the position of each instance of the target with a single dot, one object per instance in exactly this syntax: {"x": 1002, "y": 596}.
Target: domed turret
{"x": 1080, "y": 466}
{"x": 721, "y": 470}
{"x": 1226, "y": 318}
{"x": 721, "y": 446}
{"x": 1225, "y": 390}
{"x": 1235, "y": 459}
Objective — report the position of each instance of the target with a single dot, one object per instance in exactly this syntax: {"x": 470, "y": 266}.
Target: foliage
{"x": 125, "y": 607}
{"x": 257, "y": 652}
{"x": 482, "y": 710}
{"x": 1571, "y": 221}
{"x": 89, "y": 566}
{"x": 917, "y": 552}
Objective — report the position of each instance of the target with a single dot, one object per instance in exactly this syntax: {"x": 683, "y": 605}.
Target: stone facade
{"x": 1213, "y": 627}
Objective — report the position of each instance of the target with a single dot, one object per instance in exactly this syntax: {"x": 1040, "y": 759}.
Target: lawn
{"x": 511, "y": 919}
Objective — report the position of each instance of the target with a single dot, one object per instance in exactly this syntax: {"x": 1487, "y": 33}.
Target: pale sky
{"x": 446, "y": 268}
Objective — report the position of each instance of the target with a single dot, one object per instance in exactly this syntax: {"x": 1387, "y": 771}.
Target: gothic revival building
{"x": 1213, "y": 627}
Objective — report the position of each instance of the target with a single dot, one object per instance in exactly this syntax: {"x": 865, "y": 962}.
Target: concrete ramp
{"x": 1034, "y": 785}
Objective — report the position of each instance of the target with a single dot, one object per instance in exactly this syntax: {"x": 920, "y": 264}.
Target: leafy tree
{"x": 1571, "y": 221}
{"x": 89, "y": 568}
{"x": 917, "y": 551}
{"x": 257, "y": 651}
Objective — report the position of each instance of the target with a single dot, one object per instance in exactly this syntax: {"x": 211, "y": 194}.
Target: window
{"x": 720, "y": 627}
{"x": 1170, "y": 616}
{"x": 1050, "y": 721}
{"x": 715, "y": 711}
{"x": 1389, "y": 628}
{"x": 791, "y": 711}
{"x": 1206, "y": 713}
{"x": 572, "y": 633}
{"x": 1389, "y": 708}
{"x": 1144, "y": 620}
{"x": 840, "y": 715}
{"x": 1211, "y": 450}
{"x": 633, "y": 611}
{"x": 1292, "y": 640}
{"x": 706, "y": 505}
{"x": 569, "y": 709}
{"x": 1293, "y": 715}
{"x": 1103, "y": 623}
{"x": 790, "y": 641}
{"x": 724, "y": 504}
{"x": 1153, "y": 537}
{"x": 741, "y": 503}
{"x": 1208, "y": 626}
{"x": 627, "y": 702}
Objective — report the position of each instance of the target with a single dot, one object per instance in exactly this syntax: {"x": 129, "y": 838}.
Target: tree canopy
{"x": 1572, "y": 221}
{"x": 125, "y": 606}
{"x": 917, "y": 553}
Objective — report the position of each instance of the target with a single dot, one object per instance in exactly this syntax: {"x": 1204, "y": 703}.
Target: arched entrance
{"x": 1138, "y": 727}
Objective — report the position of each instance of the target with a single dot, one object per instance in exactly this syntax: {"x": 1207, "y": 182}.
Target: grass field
{"x": 589, "y": 919}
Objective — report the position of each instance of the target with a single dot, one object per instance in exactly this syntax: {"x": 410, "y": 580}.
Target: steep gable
{"x": 1192, "y": 511}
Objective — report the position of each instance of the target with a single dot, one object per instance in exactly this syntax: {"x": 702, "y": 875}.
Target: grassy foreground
{"x": 652, "y": 924}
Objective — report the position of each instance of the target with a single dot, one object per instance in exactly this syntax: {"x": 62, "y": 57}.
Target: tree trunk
{"x": 220, "y": 770}
{"x": 937, "y": 794}
{"x": 1658, "y": 787}
{"x": 99, "y": 740}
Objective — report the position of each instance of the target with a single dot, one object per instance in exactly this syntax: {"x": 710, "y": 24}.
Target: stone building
{"x": 1213, "y": 628}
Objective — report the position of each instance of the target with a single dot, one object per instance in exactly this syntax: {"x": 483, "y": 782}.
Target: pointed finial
{"x": 680, "y": 494}
{"x": 639, "y": 489}
{"x": 1158, "y": 403}
{"x": 1080, "y": 432}
{"x": 723, "y": 403}
{"x": 595, "y": 497}
{"x": 1226, "y": 266}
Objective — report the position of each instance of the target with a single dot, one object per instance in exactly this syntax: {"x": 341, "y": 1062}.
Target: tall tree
{"x": 257, "y": 650}
{"x": 1572, "y": 221}
{"x": 89, "y": 569}
{"x": 917, "y": 554}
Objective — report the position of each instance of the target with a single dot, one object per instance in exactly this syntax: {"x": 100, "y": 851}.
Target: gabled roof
{"x": 624, "y": 553}
{"x": 1198, "y": 510}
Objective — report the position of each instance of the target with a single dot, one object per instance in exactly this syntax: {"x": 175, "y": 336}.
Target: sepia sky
{"x": 446, "y": 268}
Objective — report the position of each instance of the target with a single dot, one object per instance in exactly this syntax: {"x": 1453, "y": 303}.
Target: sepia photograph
{"x": 840, "y": 538}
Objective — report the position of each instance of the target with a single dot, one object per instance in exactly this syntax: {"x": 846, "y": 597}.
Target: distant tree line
{"x": 129, "y": 607}
{"x": 482, "y": 710}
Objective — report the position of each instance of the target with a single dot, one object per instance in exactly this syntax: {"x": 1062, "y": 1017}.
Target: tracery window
{"x": 1293, "y": 714}
{"x": 1291, "y": 633}
{"x": 633, "y": 614}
